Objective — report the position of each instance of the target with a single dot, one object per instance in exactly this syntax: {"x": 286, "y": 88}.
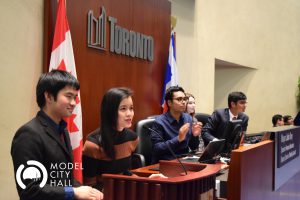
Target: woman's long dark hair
{"x": 109, "y": 117}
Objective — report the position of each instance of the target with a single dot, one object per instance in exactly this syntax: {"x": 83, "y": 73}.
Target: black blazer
{"x": 38, "y": 140}
{"x": 217, "y": 123}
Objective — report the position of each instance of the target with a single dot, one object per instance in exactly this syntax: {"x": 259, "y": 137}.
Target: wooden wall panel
{"x": 98, "y": 70}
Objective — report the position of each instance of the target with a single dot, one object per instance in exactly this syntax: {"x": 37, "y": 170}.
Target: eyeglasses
{"x": 181, "y": 99}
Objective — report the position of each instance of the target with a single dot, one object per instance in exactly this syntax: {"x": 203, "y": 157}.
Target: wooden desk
{"x": 146, "y": 171}
{"x": 198, "y": 184}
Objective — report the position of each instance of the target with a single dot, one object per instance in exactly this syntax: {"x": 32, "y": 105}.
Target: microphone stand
{"x": 172, "y": 152}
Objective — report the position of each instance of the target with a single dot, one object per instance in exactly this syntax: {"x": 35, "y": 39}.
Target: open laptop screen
{"x": 213, "y": 149}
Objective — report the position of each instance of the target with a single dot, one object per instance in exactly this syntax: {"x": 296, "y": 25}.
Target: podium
{"x": 252, "y": 175}
{"x": 199, "y": 183}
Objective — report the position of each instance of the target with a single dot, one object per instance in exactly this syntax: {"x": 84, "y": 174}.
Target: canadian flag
{"x": 62, "y": 58}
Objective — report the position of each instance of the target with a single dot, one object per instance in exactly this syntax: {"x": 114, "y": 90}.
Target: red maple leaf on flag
{"x": 62, "y": 66}
{"x": 77, "y": 100}
{"x": 71, "y": 125}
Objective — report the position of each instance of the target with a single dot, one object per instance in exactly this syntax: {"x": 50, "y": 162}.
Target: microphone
{"x": 172, "y": 152}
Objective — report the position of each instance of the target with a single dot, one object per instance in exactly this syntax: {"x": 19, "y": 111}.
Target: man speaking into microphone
{"x": 174, "y": 128}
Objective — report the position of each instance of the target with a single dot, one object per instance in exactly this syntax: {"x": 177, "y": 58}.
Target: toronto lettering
{"x": 122, "y": 41}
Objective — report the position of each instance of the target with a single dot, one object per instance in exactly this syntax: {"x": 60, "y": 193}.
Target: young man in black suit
{"x": 219, "y": 119}
{"x": 41, "y": 149}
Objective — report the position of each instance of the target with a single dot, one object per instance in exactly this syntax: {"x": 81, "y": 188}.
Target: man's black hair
{"x": 170, "y": 91}
{"x": 52, "y": 82}
{"x": 276, "y": 118}
{"x": 286, "y": 118}
{"x": 235, "y": 97}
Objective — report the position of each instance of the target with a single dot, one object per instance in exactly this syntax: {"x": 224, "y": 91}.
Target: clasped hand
{"x": 196, "y": 130}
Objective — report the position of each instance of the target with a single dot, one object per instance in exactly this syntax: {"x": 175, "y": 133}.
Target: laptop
{"x": 213, "y": 149}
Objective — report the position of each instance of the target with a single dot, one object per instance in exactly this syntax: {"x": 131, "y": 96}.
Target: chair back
{"x": 145, "y": 146}
{"x": 202, "y": 117}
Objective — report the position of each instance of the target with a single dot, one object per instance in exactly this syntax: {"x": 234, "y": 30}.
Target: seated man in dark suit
{"x": 219, "y": 119}
{"x": 41, "y": 149}
{"x": 175, "y": 127}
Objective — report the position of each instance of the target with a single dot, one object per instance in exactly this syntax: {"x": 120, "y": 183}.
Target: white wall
{"x": 195, "y": 66}
{"x": 21, "y": 47}
{"x": 259, "y": 34}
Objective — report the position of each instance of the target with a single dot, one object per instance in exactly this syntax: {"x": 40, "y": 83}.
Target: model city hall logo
{"x": 59, "y": 175}
{"x": 34, "y": 171}
{"x": 122, "y": 40}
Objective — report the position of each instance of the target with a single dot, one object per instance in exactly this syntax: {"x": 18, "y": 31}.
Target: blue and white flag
{"x": 171, "y": 76}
